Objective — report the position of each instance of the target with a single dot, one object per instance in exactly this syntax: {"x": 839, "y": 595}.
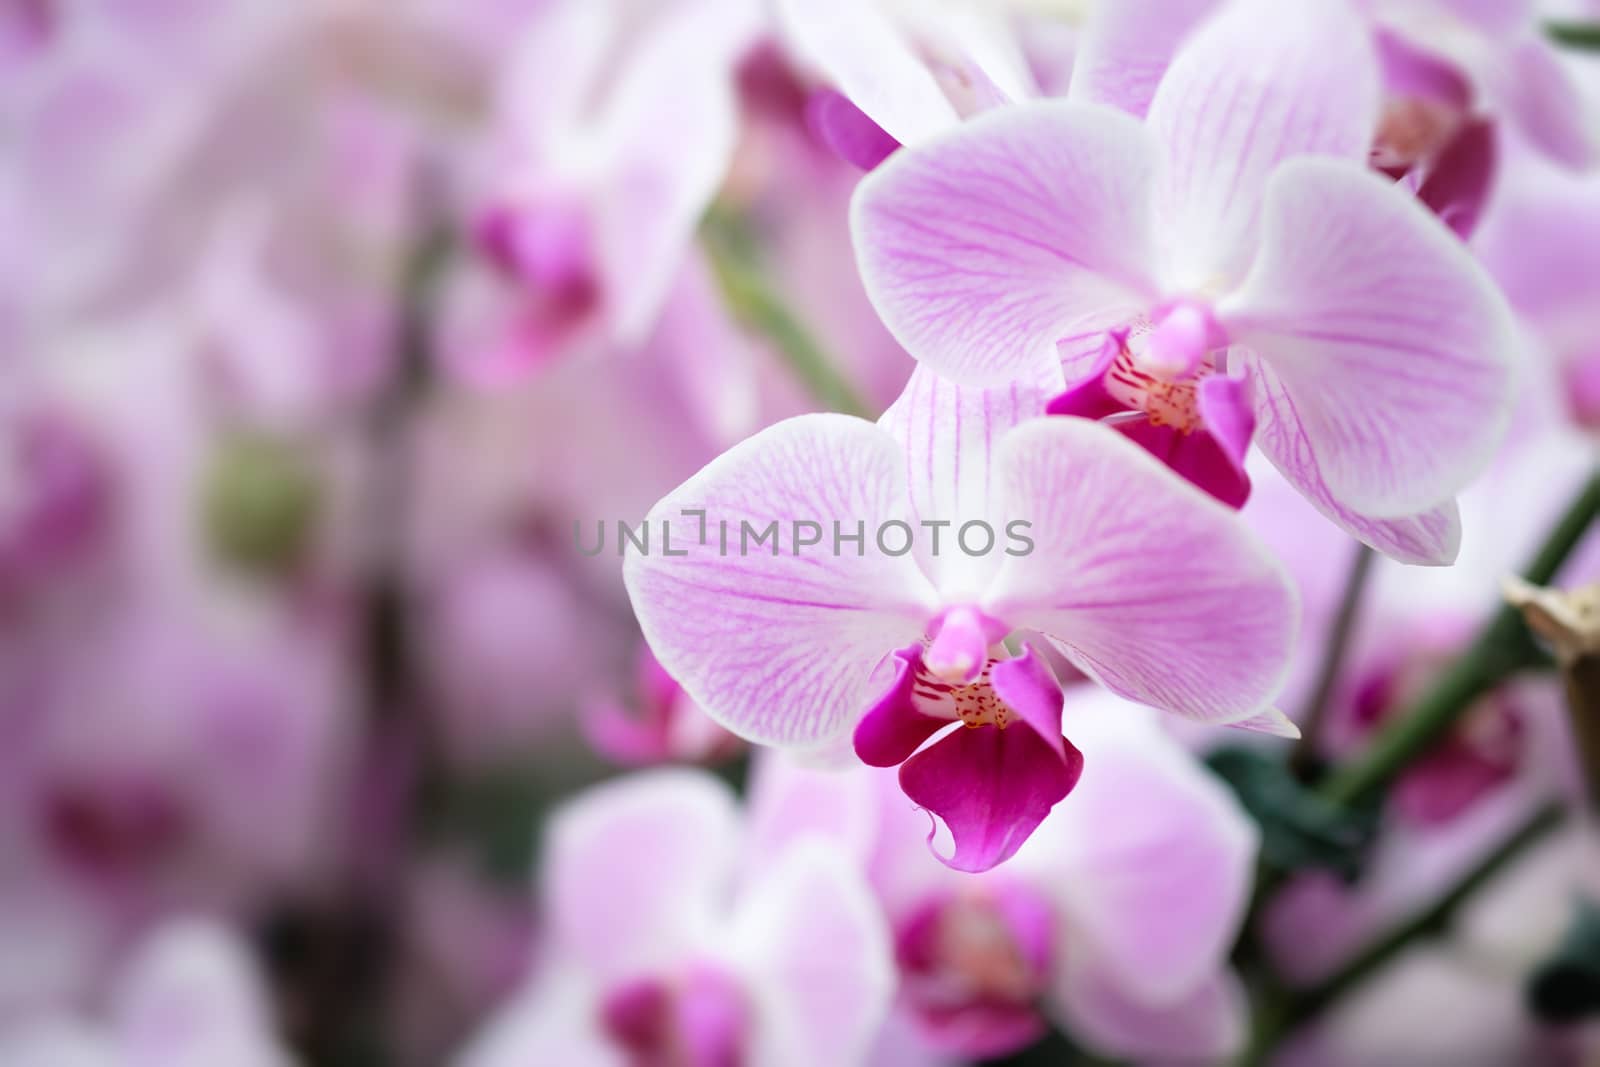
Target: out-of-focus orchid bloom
{"x": 1496, "y": 53}
{"x": 1226, "y": 265}
{"x": 658, "y": 953}
{"x": 1449, "y": 67}
{"x": 663, "y": 725}
{"x": 597, "y": 183}
{"x": 1541, "y": 241}
{"x": 1144, "y": 583}
{"x": 1509, "y": 752}
{"x": 189, "y": 997}
{"x": 1114, "y": 920}
{"x": 901, "y": 71}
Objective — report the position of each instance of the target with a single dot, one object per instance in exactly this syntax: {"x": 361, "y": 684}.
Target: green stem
{"x": 1279, "y": 1011}
{"x": 1304, "y": 757}
{"x": 734, "y": 258}
{"x": 1501, "y": 649}
{"x": 1579, "y": 35}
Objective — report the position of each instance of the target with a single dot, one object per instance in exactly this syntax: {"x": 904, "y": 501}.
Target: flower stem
{"x": 734, "y": 258}
{"x": 1578, "y": 35}
{"x": 1281, "y": 1010}
{"x": 1304, "y": 757}
{"x": 1501, "y": 649}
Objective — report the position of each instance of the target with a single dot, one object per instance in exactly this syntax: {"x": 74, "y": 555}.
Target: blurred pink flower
{"x": 1541, "y": 241}
{"x": 662, "y": 725}
{"x": 658, "y": 952}
{"x": 1114, "y": 921}
{"x": 1447, "y": 65}
{"x": 1142, "y": 582}
{"x": 189, "y": 997}
{"x": 1256, "y": 280}
{"x": 903, "y": 72}
{"x": 609, "y": 143}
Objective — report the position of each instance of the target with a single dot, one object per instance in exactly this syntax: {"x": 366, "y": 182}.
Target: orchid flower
{"x": 658, "y": 952}
{"x": 902, "y": 71}
{"x": 1215, "y": 269}
{"x": 1541, "y": 241}
{"x": 597, "y": 188}
{"x": 1140, "y": 581}
{"x": 664, "y": 726}
{"x": 1114, "y": 921}
{"x": 1453, "y": 73}
{"x": 190, "y": 996}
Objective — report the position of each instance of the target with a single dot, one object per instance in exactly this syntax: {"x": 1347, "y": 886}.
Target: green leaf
{"x": 1566, "y": 987}
{"x": 1300, "y": 829}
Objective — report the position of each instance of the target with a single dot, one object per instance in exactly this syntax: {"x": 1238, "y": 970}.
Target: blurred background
{"x": 323, "y": 322}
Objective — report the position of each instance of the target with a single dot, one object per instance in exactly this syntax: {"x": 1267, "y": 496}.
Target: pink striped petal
{"x": 1431, "y": 538}
{"x": 948, "y": 433}
{"x": 1256, "y": 84}
{"x": 1387, "y": 344}
{"x": 1147, "y": 584}
{"x": 777, "y": 641}
{"x": 1126, "y": 48}
{"x": 985, "y": 246}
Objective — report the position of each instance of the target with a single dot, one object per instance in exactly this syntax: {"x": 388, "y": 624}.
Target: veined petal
{"x": 948, "y": 433}
{"x": 1259, "y": 82}
{"x": 635, "y": 870}
{"x": 813, "y": 948}
{"x": 1147, "y": 584}
{"x": 1272, "y": 722}
{"x": 1431, "y": 538}
{"x": 1126, "y": 48}
{"x": 1388, "y": 345}
{"x": 869, "y": 60}
{"x": 985, "y": 246}
{"x": 776, "y": 640}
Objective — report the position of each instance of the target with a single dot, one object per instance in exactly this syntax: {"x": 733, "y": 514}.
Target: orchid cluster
{"x": 767, "y": 533}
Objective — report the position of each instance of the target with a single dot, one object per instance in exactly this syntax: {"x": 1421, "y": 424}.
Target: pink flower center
{"x": 1167, "y": 394}
{"x": 696, "y": 1019}
{"x": 1482, "y": 753}
{"x": 64, "y": 506}
{"x": 111, "y": 829}
{"x": 544, "y": 245}
{"x": 974, "y": 703}
{"x": 975, "y": 965}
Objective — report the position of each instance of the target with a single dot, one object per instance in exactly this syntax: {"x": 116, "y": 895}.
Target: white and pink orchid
{"x": 598, "y": 172}
{"x": 1141, "y": 581}
{"x": 661, "y": 952}
{"x": 1226, "y": 270}
{"x": 1113, "y": 922}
